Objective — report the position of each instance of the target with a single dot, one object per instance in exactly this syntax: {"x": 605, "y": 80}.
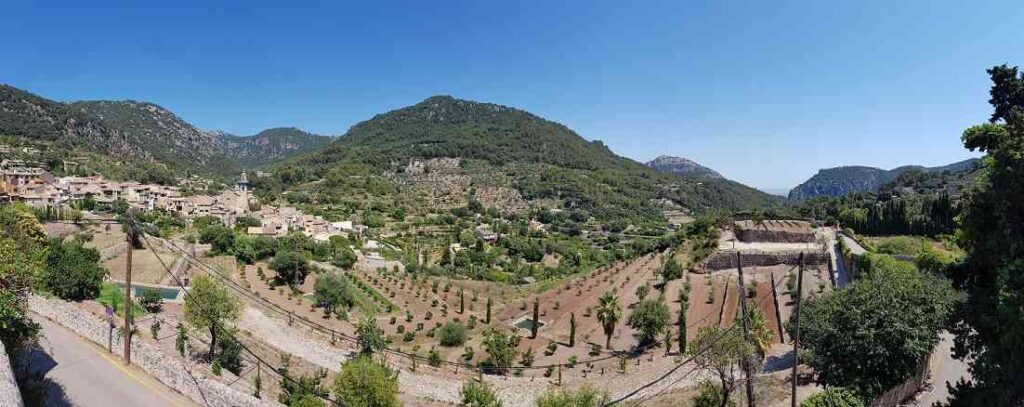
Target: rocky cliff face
{"x": 23, "y": 114}
{"x": 840, "y": 181}
{"x": 161, "y": 133}
{"x": 677, "y": 165}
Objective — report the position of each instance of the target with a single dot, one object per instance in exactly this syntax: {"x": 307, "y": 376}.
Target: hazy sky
{"x": 765, "y": 92}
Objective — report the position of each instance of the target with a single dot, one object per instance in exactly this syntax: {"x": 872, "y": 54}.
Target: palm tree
{"x": 608, "y": 313}
{"x": 761, "y": 334}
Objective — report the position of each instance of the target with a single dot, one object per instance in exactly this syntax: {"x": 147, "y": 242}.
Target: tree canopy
{"x": 73, "y": 271}
{"x": 871, "y": 334}
{"x": 208, "y": 305}
{"x": 990, "y": 332}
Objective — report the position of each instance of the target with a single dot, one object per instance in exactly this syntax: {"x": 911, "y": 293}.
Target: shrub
{"x": 527, "y": 359}
{"x": 834, "y": 397}
{"x": 150, "y": 300}
{"x": 434, "y": 358}
{"x": 479, "y": 394}
{"x": 366, "y": 382}
{"x": 710, "y": 396}
{"x": 585, "y": 396}
{"x": 408, "y": 316}
{"x": 452, "y": 334}
{"x": 400, "y": 329}
{"x": 409, "y": 336}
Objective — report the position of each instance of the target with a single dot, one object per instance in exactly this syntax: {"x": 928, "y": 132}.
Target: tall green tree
{"x": 333, "y": 291}
{"x": 649, "y": 319}
{"x": 990, "y": 332}
{"x": 291, "y": 267}
{"x": 871, "y": 335}
{"x": 72, "y": 270}
{"x": 369, "y": 337}
{"x": 500, "y": 348}
{"x": 209, "y": 306}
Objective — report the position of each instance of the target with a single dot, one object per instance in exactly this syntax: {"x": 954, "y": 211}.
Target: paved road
{"x": 79, "y": 373}
{"x": 945, "y": 369}
{"x": 855, "y": 247}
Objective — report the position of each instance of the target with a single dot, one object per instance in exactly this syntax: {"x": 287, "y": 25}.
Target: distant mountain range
{"x": 840, "y": 181}
{"x": 666, "y": 164}
{"x": 144, "y": 132}
{"x": 270, "y": 145}
{"x": 442, "y": 150}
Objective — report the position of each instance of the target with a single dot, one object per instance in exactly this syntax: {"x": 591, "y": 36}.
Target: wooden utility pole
{"x": 796, "y": 326}
{"x": 747, "y": 366}
{"x": 129, "y": 233}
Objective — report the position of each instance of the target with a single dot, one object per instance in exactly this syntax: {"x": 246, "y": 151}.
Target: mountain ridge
{"x": 679, "y": 165}
{"x": 839, "y": 181}
{"x": 142, "y": 133}
{"x": 495, "y": 146}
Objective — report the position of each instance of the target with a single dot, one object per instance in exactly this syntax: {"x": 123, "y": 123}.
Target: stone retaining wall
{"x": 110, "y": 252}
{"x": 169, "y": 370}
{"x": 777, "y": 236}
{"x": 723, "y": 260}
{"x": 10, "y": 396}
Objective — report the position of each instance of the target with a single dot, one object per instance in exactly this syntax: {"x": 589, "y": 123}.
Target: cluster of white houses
{"x": 37, "y": 187}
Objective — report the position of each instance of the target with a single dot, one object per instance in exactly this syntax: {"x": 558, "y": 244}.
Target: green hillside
{"x": 500, "y": 148}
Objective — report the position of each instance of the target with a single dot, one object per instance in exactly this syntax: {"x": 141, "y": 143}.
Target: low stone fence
{"x": 723, "y": 260}
{"x": 905, "y": 390}
{"x": 10, "y": 396}
{"x": 110, "y": 252}
{"x": 167, "y": 369}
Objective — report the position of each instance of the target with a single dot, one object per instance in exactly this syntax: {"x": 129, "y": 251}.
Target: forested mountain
{"x": 141, "y": 140}
{"x": 678, "y": 165}
{"x": 270, "y": 145}
{"x": 162, "y": 135}
{"x": 840, "y": 181}
{"x": 481, "y": 150}
{"x": 25, "y": 115}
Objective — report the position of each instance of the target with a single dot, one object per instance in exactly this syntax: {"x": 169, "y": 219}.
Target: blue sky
{"x": 764, "y": 92}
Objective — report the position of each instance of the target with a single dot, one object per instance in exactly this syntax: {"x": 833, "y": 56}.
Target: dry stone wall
{"x": 167, "y": 369}
{"x": 723, "y": 260}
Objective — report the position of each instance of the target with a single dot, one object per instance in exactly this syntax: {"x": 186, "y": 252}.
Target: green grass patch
{"x": 113, "y": 296}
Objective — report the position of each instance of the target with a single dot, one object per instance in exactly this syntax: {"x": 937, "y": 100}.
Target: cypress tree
{"x": 682, "y": 327}
{"x": 536, "y": 318}
{"x": 488, "y": 320}
{"x": 572, "y": 329}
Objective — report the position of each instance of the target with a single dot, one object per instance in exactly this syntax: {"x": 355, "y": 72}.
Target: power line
{"x": 224, "y": 331}
{"x": 325, "y": 329}
{"x": 718, "y": 338}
